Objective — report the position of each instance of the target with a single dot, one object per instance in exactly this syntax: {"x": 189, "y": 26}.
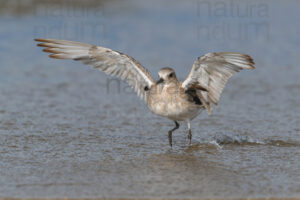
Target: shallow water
{"x": 69, "y": 131}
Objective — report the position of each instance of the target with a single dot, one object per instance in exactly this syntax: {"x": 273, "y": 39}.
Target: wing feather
{"x": 212, "y": 71}
{"x": 111, "y": 62}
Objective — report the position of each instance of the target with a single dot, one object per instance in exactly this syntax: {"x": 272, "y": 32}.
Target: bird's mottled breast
{"x": 168, "y": 100}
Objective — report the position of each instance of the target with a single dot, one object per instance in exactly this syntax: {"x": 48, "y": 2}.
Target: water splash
{"x": 221, "y": 140}
{"x": 215, "y": 143}
{"x": 236, "y": 139}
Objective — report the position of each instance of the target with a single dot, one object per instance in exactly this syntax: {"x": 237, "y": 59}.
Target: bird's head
{"x": 166, "y": 75}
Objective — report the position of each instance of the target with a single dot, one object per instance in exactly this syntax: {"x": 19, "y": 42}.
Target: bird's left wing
{"x": 210, "y": 73}
{"x": 109, "y": 61}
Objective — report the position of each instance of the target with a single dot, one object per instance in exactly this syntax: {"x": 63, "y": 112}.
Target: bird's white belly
{"x": 170, "y": 101}
{"x": 175, "y": 111}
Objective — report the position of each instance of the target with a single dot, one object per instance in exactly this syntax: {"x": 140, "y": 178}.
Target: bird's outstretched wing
{"x": 109, "y": 61}
{"x": 212, "y": 71}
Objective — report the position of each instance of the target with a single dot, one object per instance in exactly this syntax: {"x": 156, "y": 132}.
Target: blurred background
{"x": 69, "y": 131}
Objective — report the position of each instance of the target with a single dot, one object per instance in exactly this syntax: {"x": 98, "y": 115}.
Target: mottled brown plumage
{"x": 178, "y": 101}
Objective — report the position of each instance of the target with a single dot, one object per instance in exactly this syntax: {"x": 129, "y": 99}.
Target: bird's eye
{"x": 170, "y": 75}
{"x": 146, "y": 88}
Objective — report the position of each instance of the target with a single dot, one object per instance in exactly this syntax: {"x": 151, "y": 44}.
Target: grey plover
{"x": 167, "y": 97}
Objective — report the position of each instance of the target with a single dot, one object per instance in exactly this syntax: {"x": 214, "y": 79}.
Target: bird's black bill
{"x": 159, "y": 81}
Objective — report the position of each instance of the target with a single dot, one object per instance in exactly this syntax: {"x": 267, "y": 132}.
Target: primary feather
{"x": 111, "y": 62}
{"x": 212, "y": 71}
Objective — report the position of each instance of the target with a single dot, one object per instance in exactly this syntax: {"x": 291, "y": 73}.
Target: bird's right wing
{"x": 210, "y": 73}
{"x": 109, "y": 61}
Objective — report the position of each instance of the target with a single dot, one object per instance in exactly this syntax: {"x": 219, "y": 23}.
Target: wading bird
{"x": 167, "y": 97}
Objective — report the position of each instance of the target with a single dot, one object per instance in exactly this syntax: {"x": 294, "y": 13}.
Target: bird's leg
{"x": 189, "y": 132}
{"x": 171, "y": 131}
